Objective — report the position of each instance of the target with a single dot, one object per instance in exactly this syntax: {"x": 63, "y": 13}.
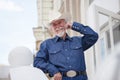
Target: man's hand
{"x": 68, "y": 25}
{"x": 58, "y": 76}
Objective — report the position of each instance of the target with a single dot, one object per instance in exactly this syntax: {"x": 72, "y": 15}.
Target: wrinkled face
{"x": 58, "y": 27}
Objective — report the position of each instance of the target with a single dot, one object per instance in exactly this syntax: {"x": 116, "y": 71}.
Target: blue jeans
{"x": 81, "y": 77}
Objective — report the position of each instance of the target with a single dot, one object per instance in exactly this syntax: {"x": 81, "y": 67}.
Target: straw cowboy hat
{"x": 54, "y": 15}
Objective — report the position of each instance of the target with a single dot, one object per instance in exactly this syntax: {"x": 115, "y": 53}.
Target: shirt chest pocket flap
{"x": 54, "y": 51}
{"x": 76, "y": 46}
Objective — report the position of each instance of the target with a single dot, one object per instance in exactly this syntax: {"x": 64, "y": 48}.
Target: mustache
{"x": 61, "y": 28}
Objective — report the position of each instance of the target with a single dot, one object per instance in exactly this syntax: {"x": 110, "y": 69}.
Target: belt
{"x": 72, "y": 73}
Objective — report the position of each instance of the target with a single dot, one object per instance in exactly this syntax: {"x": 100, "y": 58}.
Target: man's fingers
{"x": 58, "y": 78}
{"x": 68, "y": 25}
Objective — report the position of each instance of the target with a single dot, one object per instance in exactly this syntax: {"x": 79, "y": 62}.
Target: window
{"x": 102, "y": 44}
{"x": 116, "y": 33}
{"x": 90, "y": 1}
{"x": 108, "y": 39}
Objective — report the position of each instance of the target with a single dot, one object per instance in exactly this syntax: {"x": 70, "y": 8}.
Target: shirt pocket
{"x": 54, "y": 51}
{"x": 54, "y": 55}
{"x": 76, "y": 49}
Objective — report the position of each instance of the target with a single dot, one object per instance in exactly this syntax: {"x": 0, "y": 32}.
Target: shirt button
{"x": 65, "y": 49}
{"x": 76, "y": 47}
{"x": 70, "y": 66}
{"x": 68, "y": 58}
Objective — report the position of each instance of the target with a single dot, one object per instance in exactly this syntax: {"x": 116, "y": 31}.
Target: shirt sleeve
{"x": 90, "y": 36}
{"x": 41, "y": 61}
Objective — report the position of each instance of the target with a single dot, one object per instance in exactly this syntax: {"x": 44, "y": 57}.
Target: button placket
{"x": 65, "y": 46}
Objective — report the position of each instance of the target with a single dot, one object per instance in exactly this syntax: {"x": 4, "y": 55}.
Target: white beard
{"x": 61, "y": 34}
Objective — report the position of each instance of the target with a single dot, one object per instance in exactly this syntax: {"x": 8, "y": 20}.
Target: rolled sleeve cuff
{"x": 78, "y": 27}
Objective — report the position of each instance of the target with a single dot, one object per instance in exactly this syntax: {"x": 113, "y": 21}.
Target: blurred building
{"x": 40, "y": 32}
{"x": 101, "y": 15}
{"x": 104, "y": 17}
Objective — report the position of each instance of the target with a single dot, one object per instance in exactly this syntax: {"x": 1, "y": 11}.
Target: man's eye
{"x": 59, "y": 22}
{"x": 54, "y": 24}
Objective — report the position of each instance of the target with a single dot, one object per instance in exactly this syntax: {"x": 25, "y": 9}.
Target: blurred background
{"x": 23, "y": 23}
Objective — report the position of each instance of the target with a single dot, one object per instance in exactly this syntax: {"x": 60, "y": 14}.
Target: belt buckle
{"x": 71, "y": 73}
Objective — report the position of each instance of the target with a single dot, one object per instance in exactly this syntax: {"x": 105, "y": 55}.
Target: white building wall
{"x": 44, "y": 6}
{"x": 57, "y": 4}
{"x": 39, "y": 6}
{"x": 111, "y": 5}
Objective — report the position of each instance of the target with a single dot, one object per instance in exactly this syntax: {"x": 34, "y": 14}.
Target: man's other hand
{"x": 58, "y": 76}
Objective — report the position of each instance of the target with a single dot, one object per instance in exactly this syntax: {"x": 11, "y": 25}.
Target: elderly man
{"x": 63, "y": 56}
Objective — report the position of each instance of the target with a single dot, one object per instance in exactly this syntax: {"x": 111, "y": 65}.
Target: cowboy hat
{"x": 55, "y": 15}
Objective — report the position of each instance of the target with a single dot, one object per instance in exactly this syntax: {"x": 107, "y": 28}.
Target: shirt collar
{"x": 67, "y": 37}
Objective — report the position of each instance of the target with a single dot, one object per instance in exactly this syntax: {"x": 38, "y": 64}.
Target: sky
{"x": 17, "y": 18}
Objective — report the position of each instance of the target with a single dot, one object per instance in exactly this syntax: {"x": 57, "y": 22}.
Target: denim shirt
{"x": 58, "y": 55}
